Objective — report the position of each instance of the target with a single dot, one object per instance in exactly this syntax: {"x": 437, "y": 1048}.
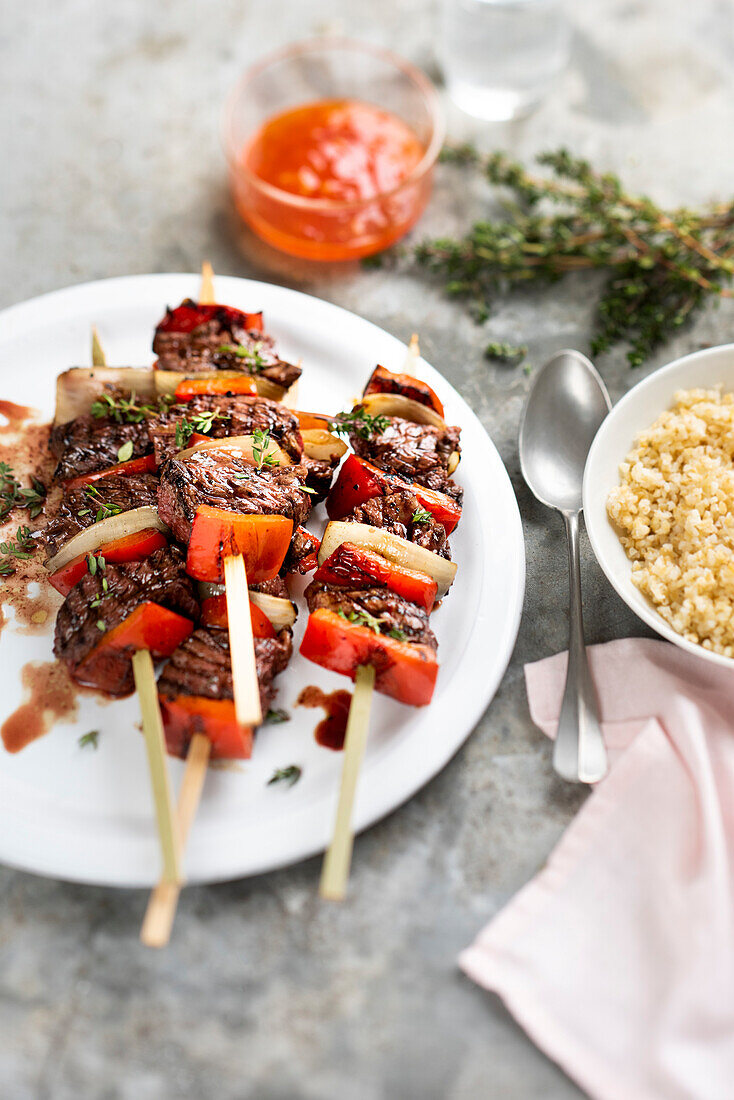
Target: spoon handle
{"x": 579, "y": 754}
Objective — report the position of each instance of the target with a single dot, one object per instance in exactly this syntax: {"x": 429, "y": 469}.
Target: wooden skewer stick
{"x": 161, "y": 911}
{"x": 206, "y": 294}
{"x": 159, "y": 916}
{"x": 147, "y": 689}
{"x": 241, "y": 645}
{"x": 335, "y": 871}
{"x": 99, "y": 359}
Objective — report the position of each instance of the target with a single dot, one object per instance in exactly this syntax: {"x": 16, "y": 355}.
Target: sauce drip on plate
{"x": 332, "y": 728}
{"x": 13, "y": 416}
{"x": 50, "y": 695}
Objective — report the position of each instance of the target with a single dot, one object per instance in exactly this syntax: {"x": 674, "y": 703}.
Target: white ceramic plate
{"x": 86, "y": 815}
{"x": 637, "y": 410}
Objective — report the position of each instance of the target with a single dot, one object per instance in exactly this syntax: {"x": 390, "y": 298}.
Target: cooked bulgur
{"x": 674, "y": 511}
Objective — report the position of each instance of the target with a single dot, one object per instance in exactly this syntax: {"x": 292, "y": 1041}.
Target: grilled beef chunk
{"x": 201, "y": 348}
{"x": 160, "y": 578}
{"x": 87, "y": 444}
{"x": 378, "y": 608}
{"x": 394, "y": 513}
{"x": 236, "y": 414}
{"x": 108, "y": 495}
{"x": 223, "y": 479}
{"x": 319, "y": 477}
{"x": 303, "y": 543}
{"x": 201, "y": 666}
{"x": 274, "y": 587}
{"x": 418, "y": 452}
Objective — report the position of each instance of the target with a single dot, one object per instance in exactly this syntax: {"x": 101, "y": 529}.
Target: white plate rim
{"x": 30, "y": 854}
{"x": 597, "y": 483}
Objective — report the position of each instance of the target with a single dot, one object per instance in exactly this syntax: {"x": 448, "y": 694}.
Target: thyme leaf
{"x": 289, "y": 775}
{"x": 91, "y": 738}
{"x": 360, "y": 422}
{"x": 422, "y": 516}
{"x": 274, "y": 717}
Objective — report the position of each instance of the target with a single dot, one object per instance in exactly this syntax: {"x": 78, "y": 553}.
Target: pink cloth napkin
{"x": 618, "y": 958}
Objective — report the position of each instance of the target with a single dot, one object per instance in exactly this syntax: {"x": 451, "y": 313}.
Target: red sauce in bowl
{"x": 348, "y": 165}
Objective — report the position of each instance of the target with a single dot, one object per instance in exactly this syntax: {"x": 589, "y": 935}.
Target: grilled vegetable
{"x": 385, "y": 381}
{"x": 106, "y": 531}
{"x": 185, "y": 715}
{"x": 217, "y": 534}
{"x": 359, "y": 481}
{"x": 144, "y": 465}
{"x": 214, "y": 613}
{"x": 190, "y": 387}
{"x": 394, "y": 404}
{"x": 404, "y": 670}
{"x": 355, "y": 566}
{"x": 78, "y": 388}
{"x": 398, "y": 551}
{"x": 133, "y": 547}
{"x": 150, "y": 627}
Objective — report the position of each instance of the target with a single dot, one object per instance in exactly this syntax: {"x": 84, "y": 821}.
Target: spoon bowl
{"x": 564, "y": 411}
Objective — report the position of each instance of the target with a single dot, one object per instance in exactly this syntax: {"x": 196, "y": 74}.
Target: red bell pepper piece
{"x": 216, "y": 534}
{"x": 185, "y": 715}
{"x": 135, "y": 547}
{"x": 150, "y": 626}
{"x": 384, "y": 381}
{"x": 143, "y": 465}
{"x": 190, "y": 387}
{"x": 214, "y": 613}
{"x": 313, "y": 420}
{"x": 189, "y": 315}
{"x": 406, "y": 671}
{"x": 352, "y": 565}
{"x": 360, "y": 481}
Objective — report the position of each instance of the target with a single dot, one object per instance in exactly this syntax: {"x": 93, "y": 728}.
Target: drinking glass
{"x": 500, "y": 57}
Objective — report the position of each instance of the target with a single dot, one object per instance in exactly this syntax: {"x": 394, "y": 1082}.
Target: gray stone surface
{"x": 111, "y": 165}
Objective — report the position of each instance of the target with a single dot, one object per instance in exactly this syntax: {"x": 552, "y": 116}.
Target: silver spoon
{"x": 564, "y": 409}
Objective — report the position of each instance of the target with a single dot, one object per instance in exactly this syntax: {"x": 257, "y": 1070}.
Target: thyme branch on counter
{"x": 661, "y": 265}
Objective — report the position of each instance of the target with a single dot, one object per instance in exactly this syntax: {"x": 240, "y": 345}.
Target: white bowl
{"x": 636, "y": 411}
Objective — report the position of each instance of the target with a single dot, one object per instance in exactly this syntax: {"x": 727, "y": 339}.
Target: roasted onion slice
{"x": 106, "y": 530}
{"x": 392, "y": 547}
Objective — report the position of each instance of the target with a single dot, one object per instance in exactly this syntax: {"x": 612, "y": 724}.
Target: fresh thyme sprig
{"x": 362, "y": 423}
{"x": 251, "y": 355}
{"x": 201, "y": 422}
{"x": 18, "y": 549}
{"x": 126, "y": 410}
{"x": 661, "y": 266}
{"x": 377, "y": 624}
{"x": 104, "y": 510}
{"x": 260, "y": 445}
{"x": 14, "y": 495}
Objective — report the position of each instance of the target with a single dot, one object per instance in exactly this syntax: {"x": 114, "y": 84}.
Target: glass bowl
{"x": 322, "y": 69}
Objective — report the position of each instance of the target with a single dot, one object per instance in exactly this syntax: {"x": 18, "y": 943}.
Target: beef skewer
{"x": 238, "y": 494}
{"x": 138, "y": 600}
{"x": 381, "y": 571}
